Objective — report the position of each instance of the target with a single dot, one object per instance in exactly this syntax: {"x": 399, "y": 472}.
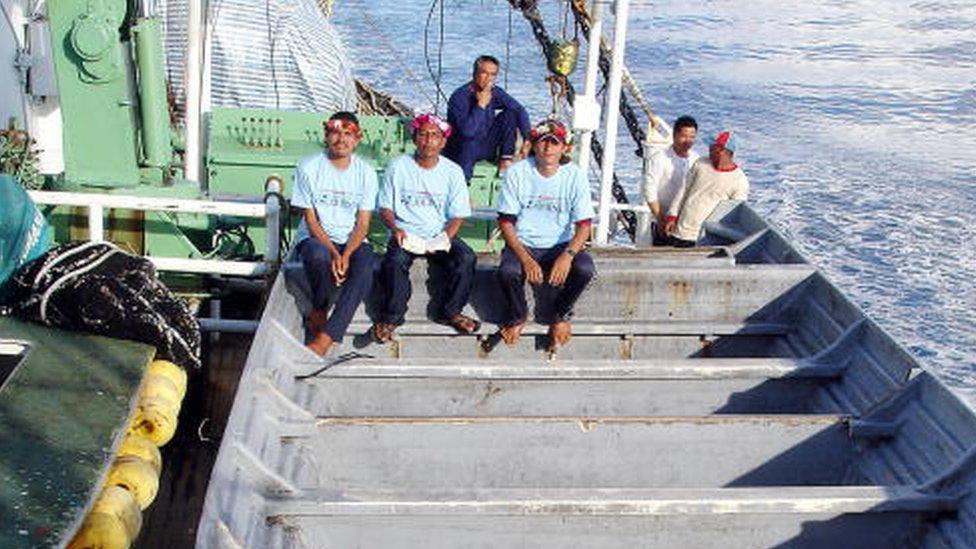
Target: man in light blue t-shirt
{"x": 338, "y": 190}
{"x": 423, "y": 202}
{"x": 544, "y": 212}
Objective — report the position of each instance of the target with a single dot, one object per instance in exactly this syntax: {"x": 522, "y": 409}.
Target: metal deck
{"x": 727, "y": 397}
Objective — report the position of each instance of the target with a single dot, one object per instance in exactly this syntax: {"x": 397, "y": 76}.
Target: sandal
{"x": 383, "y": 332}
{"x": 463, "y": 324}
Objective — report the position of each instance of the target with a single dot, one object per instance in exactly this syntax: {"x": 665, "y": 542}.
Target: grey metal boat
{"x": 723, "y": 396}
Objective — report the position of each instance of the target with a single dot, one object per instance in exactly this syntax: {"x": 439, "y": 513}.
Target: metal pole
{"x": 613, "y": 113}
{"x": 194, "y": 82}
{"x": 589, "y": 86}
{"x": 228, "y": 325}
{"x": 215, "y": 315}
{"x": 272, "y": 225}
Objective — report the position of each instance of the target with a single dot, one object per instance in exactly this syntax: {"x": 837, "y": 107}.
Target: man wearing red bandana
{"x": 338, "y": 191}
{"x": 423, "y": 202}
{"x": 485, "y": 119}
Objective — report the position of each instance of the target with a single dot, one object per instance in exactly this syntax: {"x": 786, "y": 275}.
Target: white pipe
{"x": 96, "y": 227}
{"x": 613, "y": 113}
{"x": 212, "y": 207}
{"x": 272, "y": 187}
{"x": 96, "y": 204}
{"x": 194, "y": 82}
{"x": 589, "y": 86}
{"x": 210, "y": 266}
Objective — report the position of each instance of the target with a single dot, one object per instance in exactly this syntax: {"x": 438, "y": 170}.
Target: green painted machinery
{"x": 112, "y": 90}
{"x": 118, "y": 138}
{"x": 247, "y": 146}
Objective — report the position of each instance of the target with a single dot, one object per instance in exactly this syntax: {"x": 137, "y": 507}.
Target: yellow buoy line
{"x": 133, "y": 480}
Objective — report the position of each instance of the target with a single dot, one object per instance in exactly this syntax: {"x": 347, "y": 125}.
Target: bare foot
{"x": 559, "y": 334}
{"x": 383, "y": 332}
{"x": 511, "y": 334}
{"x": 321, "y": 344}
{"x": 316, "y": 320}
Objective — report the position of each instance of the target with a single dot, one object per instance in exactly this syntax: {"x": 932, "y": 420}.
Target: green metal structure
{"x": 93, "y": 74}
{"x": 247, "y": 146}
{"x": 118, "y": 137}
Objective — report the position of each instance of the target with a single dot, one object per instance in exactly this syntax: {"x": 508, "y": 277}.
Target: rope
{"x": 508, "y": 45}
{"x": 326, "y": 7}
{"x": 271, "y": 52}
{"x": 530, "y": 11}
{"x": 430, "y": 70}
{"x": 385, "y": 41}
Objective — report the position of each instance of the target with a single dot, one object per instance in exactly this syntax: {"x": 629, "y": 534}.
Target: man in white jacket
{"x": 665, "y": 171}
{"x": 709, "y": 181}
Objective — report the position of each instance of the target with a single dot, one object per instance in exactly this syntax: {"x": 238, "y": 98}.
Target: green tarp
{"x": 62, "y": 412}
{"x": 24, "y": 233}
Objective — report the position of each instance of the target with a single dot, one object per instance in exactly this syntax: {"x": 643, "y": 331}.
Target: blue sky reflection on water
{"x": 857, "y": 122}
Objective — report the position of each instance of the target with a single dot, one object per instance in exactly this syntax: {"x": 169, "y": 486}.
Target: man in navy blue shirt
{"x": 484, "y": 119}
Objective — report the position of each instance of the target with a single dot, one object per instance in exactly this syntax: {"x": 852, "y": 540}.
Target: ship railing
{"x": 642, "y": 238}
{"x": 95, "y": 204}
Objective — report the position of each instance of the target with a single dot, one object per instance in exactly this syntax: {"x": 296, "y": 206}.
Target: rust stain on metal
{"x": 680, "y": 291}
{"x": 587, "y": 425}
{"x": 629, "y": 300}
{"x": 490, "y": 391}
{"x": 627, "y": 347}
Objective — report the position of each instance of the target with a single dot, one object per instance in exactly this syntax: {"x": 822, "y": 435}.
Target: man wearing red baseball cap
{"x": 544, "y": 212}
{"x": 710, "y": 180}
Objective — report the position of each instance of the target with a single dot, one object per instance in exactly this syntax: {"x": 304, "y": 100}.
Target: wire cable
{"x": 271, "y": 49}
{"x": 430, "y": 70}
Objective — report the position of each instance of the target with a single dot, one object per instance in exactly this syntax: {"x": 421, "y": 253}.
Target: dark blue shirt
{"x": 469, "y": 121}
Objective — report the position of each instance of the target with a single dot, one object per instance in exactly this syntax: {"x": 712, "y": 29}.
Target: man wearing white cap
{"x": 710, "y": 181}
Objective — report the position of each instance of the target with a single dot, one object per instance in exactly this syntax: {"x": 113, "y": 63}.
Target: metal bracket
{"x": 23, "y": 61}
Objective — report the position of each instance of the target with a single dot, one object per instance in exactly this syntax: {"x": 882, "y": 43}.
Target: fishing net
{"x": 97, "y": 288}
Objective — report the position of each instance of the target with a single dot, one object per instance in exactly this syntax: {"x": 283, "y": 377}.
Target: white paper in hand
{"x": 414, "y": 244}
{"x": 440, "y": 243}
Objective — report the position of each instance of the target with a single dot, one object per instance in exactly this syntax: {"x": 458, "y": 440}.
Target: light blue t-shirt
{"x": 548, "y": 208}
{"x": 337, "y": 195}
{"x": 424, "y": 200}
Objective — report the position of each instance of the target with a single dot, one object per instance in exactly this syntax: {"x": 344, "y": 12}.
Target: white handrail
{"x": 269, "y": 210}
{"x": 212, "y": 207}
{"x": 613, "y": 111}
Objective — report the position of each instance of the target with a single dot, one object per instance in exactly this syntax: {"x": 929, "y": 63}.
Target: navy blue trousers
{"x": 458, "y": 264}
{"x": 359, "y": 280}
{"x": 511, "y": 278}
{"x": 500, "y": 142}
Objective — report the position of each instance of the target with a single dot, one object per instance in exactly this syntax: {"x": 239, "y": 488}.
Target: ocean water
{"x": 856, "y": 120}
